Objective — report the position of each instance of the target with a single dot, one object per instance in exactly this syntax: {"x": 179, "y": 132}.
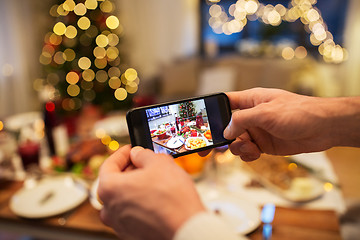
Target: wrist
{"x": 344, "y": 115}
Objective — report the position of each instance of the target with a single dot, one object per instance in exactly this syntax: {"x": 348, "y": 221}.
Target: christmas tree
{"x": 82, "y": 60}
{"x": 187, "y": 110}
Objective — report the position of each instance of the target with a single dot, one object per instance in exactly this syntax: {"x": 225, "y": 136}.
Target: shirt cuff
{"x": 207, "y": 226}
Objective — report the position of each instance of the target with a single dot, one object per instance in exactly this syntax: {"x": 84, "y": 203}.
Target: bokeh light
{"x": 131, "y": 87}
{"x": 120, "y": 94}
{"x": 69, "y": 54}
{"x": 102, "y": 40}
{"x": 59, "y": 58}
{"x": 100, "y": 63}
{"x": 99, "y": 52}
{"x": 106, "y": 6}
{"x": 114, "y": 72}
{"x": 300, "y": 52}
{"x": 130, "y": 74}
{"x": 84, "y": 23}
{"x": 73, "y": 90}
{"x": 112, "y": 22}
{"x": 59, "y": 28}
{"x": 106, "y": 140}
{"x": 88, "y": 75}
{"x": 114, "y": 82}
{"x": 113, "y": 39}
{"x": 101, "y": 76}
{"x": 71, "y": 31}
{"x": 72, "y": 77}
{"x": 80, "y": 9}
{"x": 69, "y": 5}
{"x": 114, "y": 145}
{"x": 91, "y": 4}
{"x": 112, "y": 53}
{"x": 84, "y": 63}
{"x": 288, "y": 53}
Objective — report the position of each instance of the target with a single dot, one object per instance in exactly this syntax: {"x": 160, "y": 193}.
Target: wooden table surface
{"x": 84, "y": 222}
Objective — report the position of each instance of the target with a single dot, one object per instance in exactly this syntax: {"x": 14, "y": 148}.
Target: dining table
{"x": 83, "y": 222}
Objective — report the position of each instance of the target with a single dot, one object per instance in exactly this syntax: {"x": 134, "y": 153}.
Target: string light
{"x": 304, "y": 10}
{"x": 102, "y": 40}
{"x": 106, "y": 7}
{"x": 83, "y": 23}
{"x": 70, "y": 32}
{"x": 80, "y": 9}
{"x": 59, "y": 28}
{"x": 91, "y": 4}
{"x": 130, "y": 74}
{"x": 73, "y": 90}
{"x": 72, "y": 77}
{"x": 88, "y": 75}
{"x": 84, "y": 63}
{"x": 288, "y": 53}
{"x": 112, "y": 22}
{"x": 114, "y": 145}
{"x": 120, "y": 94}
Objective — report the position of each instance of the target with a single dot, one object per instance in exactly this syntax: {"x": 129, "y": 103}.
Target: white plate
{"x": 206, "y": 142}
{"x": 49, "y": 197}
{"x": 175, "y": 142}
{"x": 241, "y": 215}
{"x": 16, "y": 122}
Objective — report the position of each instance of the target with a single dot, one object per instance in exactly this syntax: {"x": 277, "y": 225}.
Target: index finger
{"x": 251, "y": 97}
{"x": 117, "y": 162}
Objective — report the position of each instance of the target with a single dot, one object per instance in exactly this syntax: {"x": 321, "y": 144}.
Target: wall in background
{"x": 22, "y": 26}
{"x": 159, "y": 31}
{"x": 352, "y": 40}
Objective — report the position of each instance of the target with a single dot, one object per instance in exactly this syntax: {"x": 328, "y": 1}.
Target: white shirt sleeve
{"x": 207, "y": 226}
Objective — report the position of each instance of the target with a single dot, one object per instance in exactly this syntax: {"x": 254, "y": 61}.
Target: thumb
{"x": 142, "y": 158}
{"x": 242, "y": 120}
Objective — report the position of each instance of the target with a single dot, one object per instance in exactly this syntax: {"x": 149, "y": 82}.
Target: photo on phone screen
{"x": 181, "y": 127}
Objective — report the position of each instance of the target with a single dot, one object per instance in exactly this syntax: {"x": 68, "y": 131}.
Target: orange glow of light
{"x": 50, "y": 106}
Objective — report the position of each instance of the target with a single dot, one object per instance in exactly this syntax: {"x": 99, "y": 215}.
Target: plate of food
{"x": 49, "y": 196}
{"x": 195, "y": 143}
{"x": 287, "y": 178}
{"x": 207, "y": 135}
{"x": 161, "y": 134}
{"x": 175, "y": 142}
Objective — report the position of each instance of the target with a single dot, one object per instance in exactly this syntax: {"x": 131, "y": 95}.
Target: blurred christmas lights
{"x": 73, "y": 71}
{"x": 304, "y": 10}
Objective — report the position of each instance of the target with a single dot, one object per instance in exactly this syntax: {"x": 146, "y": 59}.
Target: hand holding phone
{"x": 181, "y": 127}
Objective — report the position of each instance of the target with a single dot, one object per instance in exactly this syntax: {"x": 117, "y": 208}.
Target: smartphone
{"x": 181, "y": 127}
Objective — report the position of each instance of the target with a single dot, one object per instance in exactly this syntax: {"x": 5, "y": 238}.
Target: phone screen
{"x": 181, "y": 127}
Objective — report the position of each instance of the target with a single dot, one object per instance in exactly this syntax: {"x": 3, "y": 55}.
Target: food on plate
{"x": 161, "y": 134}
{"x": 277, "y": 170}
{"x": 207, "y": 135}
{"x": 184, "y": 130}
{"x": 152, "y": 133}
{"x": 194, "y": 133}
{"x": 195, "y": 143}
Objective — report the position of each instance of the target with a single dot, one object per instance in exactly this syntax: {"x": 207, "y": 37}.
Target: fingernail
{"x": 134, "y": 151}
{"x": 227, "y": 131}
